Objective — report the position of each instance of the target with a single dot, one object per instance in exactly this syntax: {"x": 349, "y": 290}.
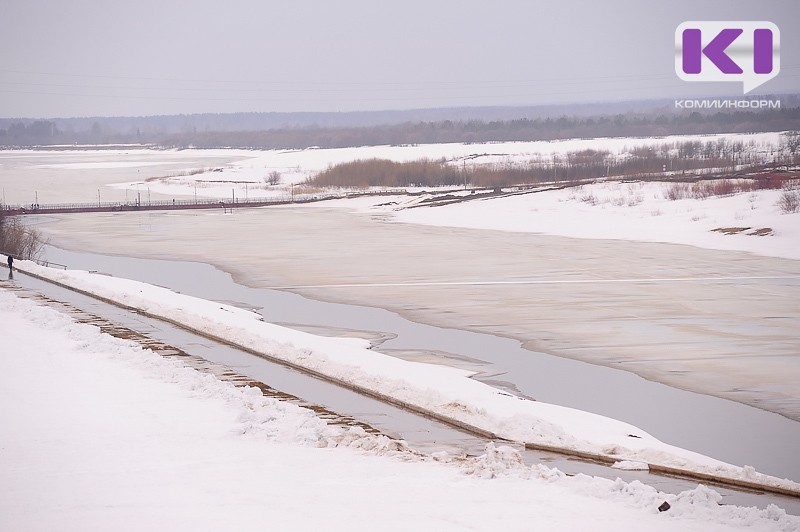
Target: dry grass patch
{"x": 763, "y": 231}
{"x": 731, "y": 230}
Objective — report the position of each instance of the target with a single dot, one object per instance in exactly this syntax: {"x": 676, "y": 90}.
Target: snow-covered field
{"x": 100, "y": 434}
{"x": 248, "y": 175}
{"x": 623, "y": 211}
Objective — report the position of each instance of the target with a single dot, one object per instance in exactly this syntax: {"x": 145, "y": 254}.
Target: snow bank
{"x": 444, "y": 391}
{"x": 100, "y": 434}
{"x": 639, "y": 211}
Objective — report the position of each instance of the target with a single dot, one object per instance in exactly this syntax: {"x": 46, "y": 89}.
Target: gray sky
{"x": 105, "y": 57}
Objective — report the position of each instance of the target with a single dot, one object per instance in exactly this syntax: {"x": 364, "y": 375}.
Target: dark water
{"x": 720, "y": 428}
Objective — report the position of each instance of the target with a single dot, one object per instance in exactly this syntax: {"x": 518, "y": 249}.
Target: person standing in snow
{"x": 10, "y": 263}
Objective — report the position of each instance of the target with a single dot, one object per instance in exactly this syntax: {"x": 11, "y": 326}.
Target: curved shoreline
{"x": 600, "y": 325}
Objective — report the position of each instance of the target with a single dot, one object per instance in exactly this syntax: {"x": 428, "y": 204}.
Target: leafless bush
{"x": 575, "y": 166}
{"x": 678, "y": 191}
{"x": 19, "y": 241}
{"x": 635, "y": 200}
{"x": 383, "y": 172}
{"x": 273, "y": 178}
{"x": 789, "y": 201}
{"x": 719, "y": 187}
{"x": 790, "y": 142}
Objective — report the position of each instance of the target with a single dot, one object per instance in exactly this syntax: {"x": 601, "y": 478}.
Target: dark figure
{"x": 10, "y": 263}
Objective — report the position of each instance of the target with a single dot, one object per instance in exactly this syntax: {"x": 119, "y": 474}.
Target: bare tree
{"x": 791, "y": 141}
{"x": 273, "y": 178}
{"x": 18, "y": 240}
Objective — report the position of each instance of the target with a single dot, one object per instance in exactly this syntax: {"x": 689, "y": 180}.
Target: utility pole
{"x": 555, "y": 169}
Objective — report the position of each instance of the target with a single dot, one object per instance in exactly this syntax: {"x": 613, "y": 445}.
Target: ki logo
{"x": 743, "y": 51}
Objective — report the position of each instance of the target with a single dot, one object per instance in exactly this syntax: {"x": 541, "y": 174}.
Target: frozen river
{"x": 721, "y": 428}
{"x": 698, "y": 347}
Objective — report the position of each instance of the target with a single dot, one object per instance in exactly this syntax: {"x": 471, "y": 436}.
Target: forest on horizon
{"x": 422, "y": 126}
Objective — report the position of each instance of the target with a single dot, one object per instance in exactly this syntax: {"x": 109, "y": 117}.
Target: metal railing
{"x": 48, "y": 264}
{"x": 40, "y": 262}
{"x": 114, "y": 206}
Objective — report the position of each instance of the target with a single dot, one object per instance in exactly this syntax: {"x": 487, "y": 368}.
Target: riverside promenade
{"x": 175, "y": 204}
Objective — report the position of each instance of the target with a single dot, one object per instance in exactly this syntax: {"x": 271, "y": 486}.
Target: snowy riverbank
{"x": 99, "y": 433}
{"x": 444, "y": 391}
{"x": 250, "y": 458}
{"x": 642, "y": 211}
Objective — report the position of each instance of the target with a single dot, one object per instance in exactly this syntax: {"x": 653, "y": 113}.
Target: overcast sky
{"x": 108, "y": 58}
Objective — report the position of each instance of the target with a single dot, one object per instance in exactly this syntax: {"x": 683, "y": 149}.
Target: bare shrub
{"x": 19, "y": 241}
{"x": 790, "y": 142}
{"x": 789, "y": 201}
{"x": 383, "y": 172}
{"x": 618, "y": 201}
{"x": 707, "y": 189}
{"x": 572, "y": 167}
{"x": 769, "y": 182}
{"x": 273, "y": 178}
{"x": 425, "y": 172}
{"x": 678, "y": 191}
{"x": 720, "y": 188}
{"x": 635, "y": 200}
{"x": 699, "y": 191}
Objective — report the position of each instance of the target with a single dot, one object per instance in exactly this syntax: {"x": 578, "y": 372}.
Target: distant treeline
{"x": 162, "y": 125}
{"x": 668, "y": 160}
{"x": 632, "y": 124}
{"x": 512, "y": 130}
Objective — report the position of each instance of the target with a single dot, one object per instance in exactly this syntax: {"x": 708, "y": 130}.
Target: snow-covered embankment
{"x": 446, "y": 392}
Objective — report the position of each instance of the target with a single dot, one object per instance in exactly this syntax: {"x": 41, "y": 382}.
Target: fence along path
{"x": 178, "y": 204}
